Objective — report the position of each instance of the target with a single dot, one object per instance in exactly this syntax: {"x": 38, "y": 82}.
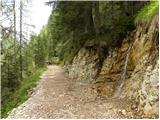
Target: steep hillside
{"x": 129, "y": 71}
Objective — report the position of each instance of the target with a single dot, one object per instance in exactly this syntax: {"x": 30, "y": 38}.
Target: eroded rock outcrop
{"x": 142, "y": 81}
{"x": 85, "y": 65}
{"x": 141, "y": 77}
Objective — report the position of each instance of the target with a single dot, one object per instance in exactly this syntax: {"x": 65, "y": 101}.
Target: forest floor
{"x": 57, "y": 96}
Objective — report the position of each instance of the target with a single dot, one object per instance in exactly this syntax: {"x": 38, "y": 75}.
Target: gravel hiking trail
{"x": 57, "y": 96}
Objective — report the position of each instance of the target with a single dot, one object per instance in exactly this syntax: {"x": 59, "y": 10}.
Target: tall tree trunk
{"x": 14, "y": 13}
{"x": 8, "y": 68}
{"x": 131, "y": 6}
{"x": 14, "y": 16}
{"x": 112, "y": 11}
{"x": 21, "y": 67}
{"x": 90, "y": 24}
{"x": 122, "y": 6}
{"x": 112, "y": 21}
{"x": 97, "y": 20}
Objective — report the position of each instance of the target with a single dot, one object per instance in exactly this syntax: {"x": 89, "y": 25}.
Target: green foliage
{"x": 19, "y": 59}
{"x": 9, "y": 67}
{"x": 73, "y": 25}
{"x": 41, "y": 47}
{"x": 55, "y": 60}
{"x": 21, "y": 95}
{"x": 147, "y": 12}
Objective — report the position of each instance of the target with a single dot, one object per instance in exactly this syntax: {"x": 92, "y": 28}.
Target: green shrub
{"x": 147, "y": 12}
{"x": 55, "y": 60}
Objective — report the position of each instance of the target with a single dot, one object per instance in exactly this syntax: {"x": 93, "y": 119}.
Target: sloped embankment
{"x": 130, "y": 71}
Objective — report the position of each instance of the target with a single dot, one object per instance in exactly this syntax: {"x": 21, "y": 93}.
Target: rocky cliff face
{"x": 135, "y": 77}
{"x": 142, "y": 79}
{"x": 84, "y": 65}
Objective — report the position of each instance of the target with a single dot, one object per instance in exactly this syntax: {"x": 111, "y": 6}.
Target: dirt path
{"x": 56, "y": 96}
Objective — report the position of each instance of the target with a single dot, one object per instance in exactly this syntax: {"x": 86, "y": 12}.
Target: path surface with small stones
{"x": 57, "y": 96}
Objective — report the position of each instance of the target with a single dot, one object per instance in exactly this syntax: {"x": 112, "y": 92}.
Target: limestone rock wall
{"x": 84, "y": 67}
{"x": 141, "y": 78}
{"x": 142, "y": 81}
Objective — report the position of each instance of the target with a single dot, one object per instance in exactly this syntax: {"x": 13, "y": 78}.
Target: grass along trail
{"x": 57, "y": 96}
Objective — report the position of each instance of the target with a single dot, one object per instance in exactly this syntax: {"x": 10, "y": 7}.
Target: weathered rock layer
{"x": 141, "y": 77}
